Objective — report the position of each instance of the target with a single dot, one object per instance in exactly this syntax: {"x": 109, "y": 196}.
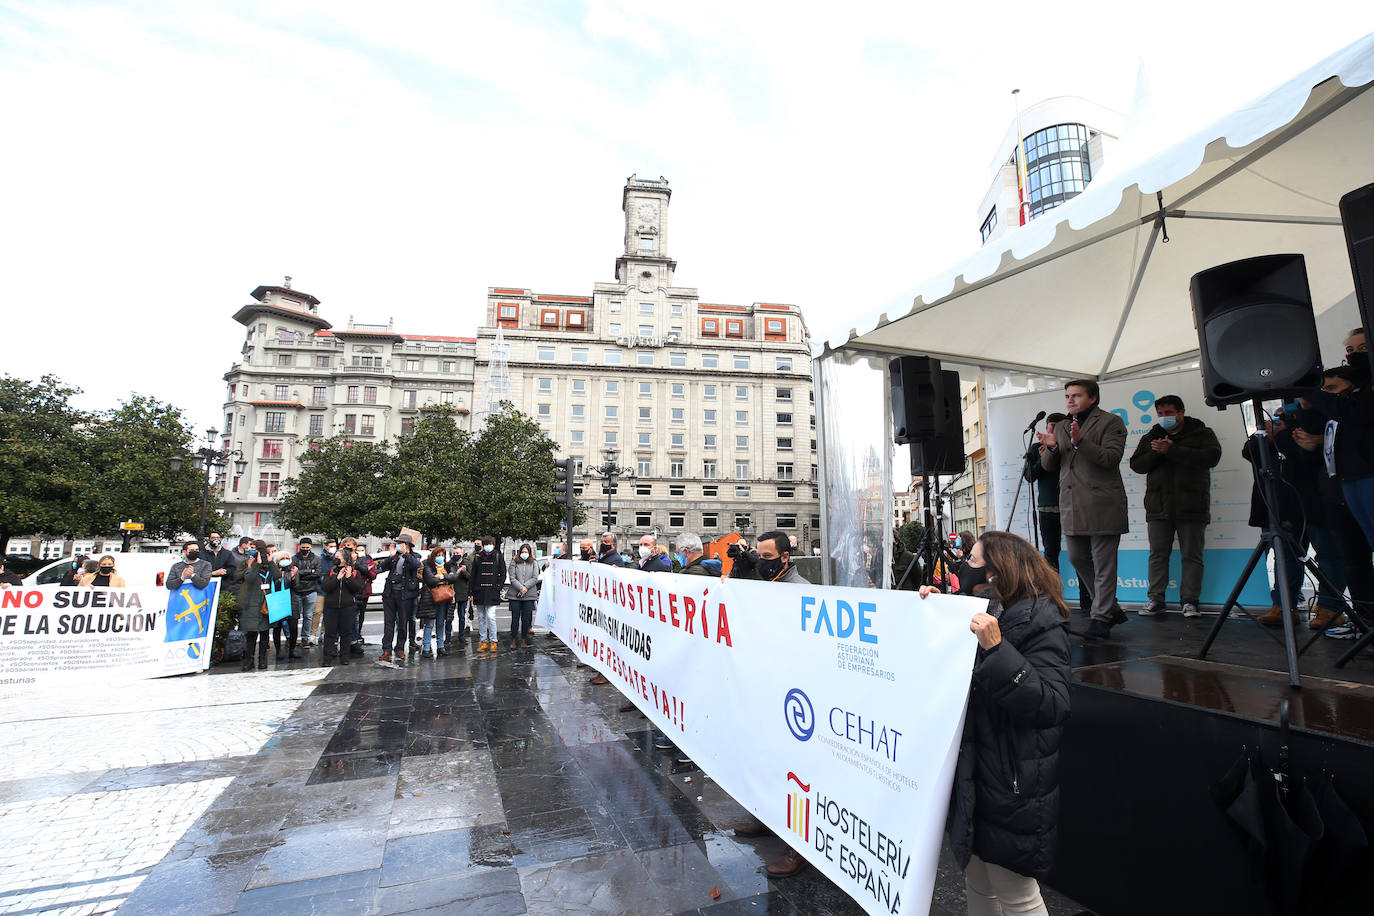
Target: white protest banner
{"x": 833, "y": 714}
{"x": 1229, "y": 540}
{"x": 51, "y": 631}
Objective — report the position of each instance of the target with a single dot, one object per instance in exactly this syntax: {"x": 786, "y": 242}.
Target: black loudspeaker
{"x": 1255, "y": 329}
{"x": 1357, "y": 216}
{"x": 915, "y": 382}
{"x": 943, "y": 453}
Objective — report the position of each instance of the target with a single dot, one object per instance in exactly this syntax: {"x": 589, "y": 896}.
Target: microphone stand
{"x": 1021, "y": 479}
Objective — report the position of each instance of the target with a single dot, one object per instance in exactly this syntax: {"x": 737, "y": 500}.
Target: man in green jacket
{"x": 1176, "y": 456}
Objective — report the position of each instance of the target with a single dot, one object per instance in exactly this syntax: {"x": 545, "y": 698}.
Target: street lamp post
{"x": 610, "y": 471}
{"x": 209, "y": 458}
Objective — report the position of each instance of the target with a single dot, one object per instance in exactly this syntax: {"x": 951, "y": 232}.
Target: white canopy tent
{"x": 1098, "y": 287}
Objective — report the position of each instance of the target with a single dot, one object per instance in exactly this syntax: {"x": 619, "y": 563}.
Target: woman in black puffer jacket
{"x": 1005, "y": 805}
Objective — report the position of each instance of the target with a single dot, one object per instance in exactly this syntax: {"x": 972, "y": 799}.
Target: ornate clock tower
{"x": 645, "y": 263}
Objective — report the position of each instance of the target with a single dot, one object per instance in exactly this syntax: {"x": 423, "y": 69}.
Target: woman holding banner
{"x": 1005, "y": 805}
{"x": 256, "y": 576}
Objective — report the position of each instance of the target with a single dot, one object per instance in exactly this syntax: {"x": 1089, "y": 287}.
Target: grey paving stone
{"x": 352, "y": 892}
{"x": 451, "y": 852}
{"x": 350, "y": 800}
{"x": 495, "y": 892}
{"x": 321, "y": 850}
{"x": 608, "y": 883}
{"x": 205, "y": 885}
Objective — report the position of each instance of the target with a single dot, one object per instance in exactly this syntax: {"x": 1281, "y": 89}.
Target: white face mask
{"x": 645, "y": 552}
{"x": 524, "y": 555}
{"x": 330, "y": 550}
{"x": 284, "y": 562}
{"x": 488, "y": 548}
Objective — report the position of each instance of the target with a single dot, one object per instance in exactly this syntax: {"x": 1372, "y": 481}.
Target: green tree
{"x": 427, "y": 490}
{"x": 342, "y": 493}
{"x": 509, "y": 479}
{"x": 911, "y": 534}
{"x": 128, "y": 452}
{"x": 41, "y": 471}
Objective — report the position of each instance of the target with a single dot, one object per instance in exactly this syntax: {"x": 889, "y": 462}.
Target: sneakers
{"x": 1344, "y": 631}
{"x": 1323, "y": 619}
{"x": 1190, "y": 610}
{"x": 1153, "y": 609}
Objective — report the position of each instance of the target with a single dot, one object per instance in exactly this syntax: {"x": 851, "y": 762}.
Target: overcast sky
{"x": 163, "y": 159}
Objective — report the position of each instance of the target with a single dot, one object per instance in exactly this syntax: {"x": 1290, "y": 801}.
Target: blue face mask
{"x": 1168, "y": 423}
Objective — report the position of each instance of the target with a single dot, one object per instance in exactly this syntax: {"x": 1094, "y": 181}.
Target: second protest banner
{"x": 832, "y": 714}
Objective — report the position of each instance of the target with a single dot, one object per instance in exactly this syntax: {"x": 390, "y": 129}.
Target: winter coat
{"x": 1298, "y": 483}
{"x": 702, "y": 566}
{"x": 307, "y": 572}
{"x": 326, "y": 564}
{"x": 1353, "y": 445}
{"x": 403, "y": 574}
{"x": 224, "y": 559}
{"x": 463, "y": 563}
{"x": 200, "y": 574}
{"x": 252, "y": 594}
{"x": 1178, "y": 483}
{"x": 1046, "y": 482}
{"x": 487, "y": 575}
{"x": 656, "y": 563}
{"x": 611, "y": 558}
{"x": 89, "y": 580}
{"x": 367, "y": 568}
{"x": 341, "y": 593}
{"x": 426, "y": 609}
{"x": 1005, "y": 804}
{"x": 524, "y": 574}
{"x": 1092, "y": 495}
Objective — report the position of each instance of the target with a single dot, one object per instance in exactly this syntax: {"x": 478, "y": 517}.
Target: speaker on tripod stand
{"x": 1258, "y": 339}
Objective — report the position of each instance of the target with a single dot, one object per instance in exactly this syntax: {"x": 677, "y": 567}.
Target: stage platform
{"x": 1154, "y": 728}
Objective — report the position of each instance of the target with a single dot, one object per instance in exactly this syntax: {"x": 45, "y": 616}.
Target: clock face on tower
{"x": 648, "y": 214}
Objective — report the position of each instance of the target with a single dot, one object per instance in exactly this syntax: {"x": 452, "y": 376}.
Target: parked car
{"x": 138, "y": 569}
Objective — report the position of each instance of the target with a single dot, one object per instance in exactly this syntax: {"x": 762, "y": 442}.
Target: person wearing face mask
{"x": 487, "y": 576}
{"x": 1004, "y": 807}
{"x": 289, "y": 577}
{"x": 327, "y": 559}
{"x": 650, "y": 560}
{"x": 255, "y": 576}
{"x": 524, "y": 592}
{"x": 462, "y": 566}
{"x": 104, "y": 575}
{"x": 1349, "y": 445}
{"x": 399, "y": 595}
{"x": 1176, "y": 456}
{"x": 609, "y": 555}
{"x": 190, "y": 569}
{"x": 585, "y": 551}
{"x": 437, "y": 572}
{"x": 222, "y": 559}
{"x": 342, "y": 583}
{"x": 72, "y": 576}
{"x": 307, "y": 567}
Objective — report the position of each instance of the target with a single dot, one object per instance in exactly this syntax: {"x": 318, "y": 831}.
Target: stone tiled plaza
{"x": 498, "y": 785}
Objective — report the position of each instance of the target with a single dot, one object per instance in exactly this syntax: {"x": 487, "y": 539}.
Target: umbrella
{"x": 1118, "y": 258}
{"x": 1301, "y": 845}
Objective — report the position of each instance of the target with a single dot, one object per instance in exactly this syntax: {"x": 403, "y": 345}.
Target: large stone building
{"x": 708, "y": 404}
{"x": 301, "y": 377}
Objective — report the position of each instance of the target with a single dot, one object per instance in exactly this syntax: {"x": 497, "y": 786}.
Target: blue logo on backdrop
{"x": 801, "y": 718}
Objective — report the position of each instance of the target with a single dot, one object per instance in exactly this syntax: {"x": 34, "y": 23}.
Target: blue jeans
{"x": 303, "y": 609}
{"x": 435, "y": 626}
{"x": 1359, "y": 496}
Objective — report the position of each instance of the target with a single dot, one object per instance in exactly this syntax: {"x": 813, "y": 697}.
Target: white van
{"x": 138, "y": 569}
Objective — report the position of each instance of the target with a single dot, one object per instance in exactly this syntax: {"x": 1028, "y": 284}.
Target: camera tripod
{"x": 1276, "y": 538}
{"x": 933, "y": 544}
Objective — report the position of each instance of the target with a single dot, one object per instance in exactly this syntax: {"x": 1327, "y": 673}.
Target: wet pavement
{"x": 475, "y": 784}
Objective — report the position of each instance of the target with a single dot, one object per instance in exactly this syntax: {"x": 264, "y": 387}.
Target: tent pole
{"x": 1130, "y": 297}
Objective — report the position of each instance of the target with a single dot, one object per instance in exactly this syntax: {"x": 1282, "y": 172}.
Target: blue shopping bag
{"x": 278, "y": 604}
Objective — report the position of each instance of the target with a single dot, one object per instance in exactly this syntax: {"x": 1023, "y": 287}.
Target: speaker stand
{"x": 1272, "y": 537}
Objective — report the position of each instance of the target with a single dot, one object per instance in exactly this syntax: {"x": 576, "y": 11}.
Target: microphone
{"x": 1038, "y": 417}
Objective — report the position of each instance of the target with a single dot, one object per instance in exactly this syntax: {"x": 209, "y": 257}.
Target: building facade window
{"x": 286, "y": 359}
{"x": 269, "y": 483}
{"x": 775, "y": 328}
{"x": 734, "y": 327}
{"x": 548, "y": 318}
{"x": 675, "y": 468}
{"x": 369, "y": 426}
{"x": 708, "y": 469}
{"x": 271, "y": 448}
{"x": 742, "y": 361}
{"x": 709, "y": 520}
{"x": 708, "y": 361}
{"x": 743, "y": 520}
{"x": 369, "y": 394}
{"x": 644, "y": 467}
{"x": 410, "y": 398}
{"x": 351, "y": 423}
{"x": 546, "y": 354}
{"x": 580, "y": 354}
{"x": 645, "y": 357}
{"x": 784, "y": 364}
{"x": 353, "y": 392}
{"x": 1057, "y": 166}
{"x": 317, "y": 424}
{"x": 677, "y": 520}
{"x": 742, "y": 469}
{"x": 508, "y": 314}
{"x": 281, "y": 392}
{"x": 319, "y": 397}
{"x": 577, "y": 320}
{"x": 989, "y": 224}
{"x": 274, "y": 421}
{"x": 611, "y": 357}
{"x": 412, "y": 365}
{"x": 677, "y": 359}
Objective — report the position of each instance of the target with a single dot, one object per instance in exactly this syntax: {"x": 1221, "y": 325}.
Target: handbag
{"x": 441, "y": 593}
{"x": 278, "y": 604}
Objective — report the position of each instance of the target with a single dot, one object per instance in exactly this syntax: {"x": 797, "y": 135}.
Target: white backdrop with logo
{"x": 1230, "y": 540}
{"x": 48, "y": 632}
{"x": 833, "y": 714}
